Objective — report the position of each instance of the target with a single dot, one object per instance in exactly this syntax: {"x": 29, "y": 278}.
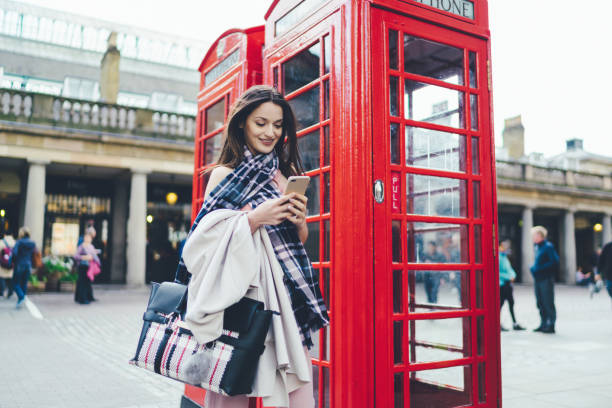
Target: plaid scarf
{"x": 251, "y": 183}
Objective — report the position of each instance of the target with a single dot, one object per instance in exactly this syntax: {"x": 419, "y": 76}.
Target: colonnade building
{"x": 96, "y": 128}
{"x": 570, "y": 194}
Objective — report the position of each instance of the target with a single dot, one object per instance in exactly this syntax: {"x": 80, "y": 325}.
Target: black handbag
{"x": 226, "y": 365}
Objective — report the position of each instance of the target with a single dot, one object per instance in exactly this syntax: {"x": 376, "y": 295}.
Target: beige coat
{"x": 227, "y": 262}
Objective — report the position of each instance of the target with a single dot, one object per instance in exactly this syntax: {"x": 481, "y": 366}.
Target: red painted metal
{"x": 226, "y": 87}
{"x": 357, "y": 275}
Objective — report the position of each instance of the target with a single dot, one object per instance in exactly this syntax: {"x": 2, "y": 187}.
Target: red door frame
{"x": 381, "y": 22}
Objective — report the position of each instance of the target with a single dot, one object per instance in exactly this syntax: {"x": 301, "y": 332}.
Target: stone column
{"x": 607, "y": 229}
{"x": 527, "y": 254}
{"x": 137, "y": 230}
{"x": 568, "y": 253}
{"x": 34, "y": 217}
{"x": 119, "y": 225}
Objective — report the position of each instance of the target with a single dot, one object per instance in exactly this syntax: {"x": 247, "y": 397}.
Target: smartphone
{"x": 297, "y": 184}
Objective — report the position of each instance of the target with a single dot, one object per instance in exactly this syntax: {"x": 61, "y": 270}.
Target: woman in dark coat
{"x": 86, "y": 255}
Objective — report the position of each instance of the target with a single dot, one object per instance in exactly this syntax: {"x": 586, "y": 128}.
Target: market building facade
{"x": 96, "y": 128}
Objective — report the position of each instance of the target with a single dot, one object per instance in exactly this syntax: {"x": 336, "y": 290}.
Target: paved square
{"x": 77, "y": 356}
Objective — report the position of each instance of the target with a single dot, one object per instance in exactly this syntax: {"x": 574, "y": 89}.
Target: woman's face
{"x": 263, "y": 128}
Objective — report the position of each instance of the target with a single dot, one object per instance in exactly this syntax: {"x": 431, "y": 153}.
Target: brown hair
{"x": 232, "y": 153}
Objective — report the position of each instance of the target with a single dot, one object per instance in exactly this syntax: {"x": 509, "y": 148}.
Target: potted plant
{"x": 67, "y": 282}
{"x": 35, "y": 284}
{"x": 54, "y": 269}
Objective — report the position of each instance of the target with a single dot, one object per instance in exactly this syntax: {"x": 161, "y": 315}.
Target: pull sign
{"x": 395, "y": 192}
{"x": 379, "y": 191}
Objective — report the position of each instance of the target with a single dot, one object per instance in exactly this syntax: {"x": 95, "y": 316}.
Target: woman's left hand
{"x": 297, "y": 209}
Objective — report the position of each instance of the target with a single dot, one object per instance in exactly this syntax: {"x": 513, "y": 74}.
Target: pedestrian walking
{"x": 88, "y": 263}
{"x": 21, "y": 259}
{"x": 544, "y": 270}
{"x": 7, "y": 242}
{"x": 432, "y": 278}
{"x": 259, "y": 154}
{"x": 506, "y": 277}
{"x": 604, "y": 267}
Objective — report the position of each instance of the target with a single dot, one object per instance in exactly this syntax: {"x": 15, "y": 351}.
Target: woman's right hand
{"x": 270, "y": 212}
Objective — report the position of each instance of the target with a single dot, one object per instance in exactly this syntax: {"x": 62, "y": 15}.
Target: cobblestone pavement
{"x": 76, "y": 356}
{"x": 572, "y": 368}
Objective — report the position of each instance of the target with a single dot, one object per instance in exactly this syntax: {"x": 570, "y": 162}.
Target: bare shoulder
{"x": 216, "y": 176}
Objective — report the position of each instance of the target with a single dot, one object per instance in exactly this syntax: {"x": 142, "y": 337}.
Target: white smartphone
{"x": 297, "y": 184}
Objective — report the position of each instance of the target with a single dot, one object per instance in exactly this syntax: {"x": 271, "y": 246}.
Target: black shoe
{"x": 539, "y": 329}
{"x": 517, "y": 326}
{"x": 548, "y": 329}
{"x": 503, "y": 328}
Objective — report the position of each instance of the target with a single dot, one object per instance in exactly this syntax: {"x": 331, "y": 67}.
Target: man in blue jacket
{"x": 544, "y": 270}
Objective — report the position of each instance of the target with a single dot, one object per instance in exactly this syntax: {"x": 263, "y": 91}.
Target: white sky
{"x": 550, "y": 62}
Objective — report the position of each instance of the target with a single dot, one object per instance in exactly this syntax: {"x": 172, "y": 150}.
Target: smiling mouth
{"x": 267, "y": 142}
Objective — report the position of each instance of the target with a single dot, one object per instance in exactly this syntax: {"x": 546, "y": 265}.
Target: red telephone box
{"x": 232, "y": 65}
{"x": 393, "y": 104}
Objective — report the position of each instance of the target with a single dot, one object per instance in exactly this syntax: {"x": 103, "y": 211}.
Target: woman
{"x": 7, "y": 242}
{"x": 259, "y": 154}
{"x": 506, "y": 277}
{"x": 21, "y": 259}
{"x": 86, "y": 255}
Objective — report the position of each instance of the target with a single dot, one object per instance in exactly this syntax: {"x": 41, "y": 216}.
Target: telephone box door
{"x": 437, "y": 325}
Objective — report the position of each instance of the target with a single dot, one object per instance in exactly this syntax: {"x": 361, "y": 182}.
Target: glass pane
{"x": 439, "y": 340}
{"x": 436, "y": 196}
{"x": 212, "y": 148}
{"x": 316, "y": 346}
{"x": 480, "y": 335}
{"x": 434, "y": 291}
{"x": 432, "y": 59}
{"x": 426, "y": 239}
{"x": 393, "y": 101}
{"x": 433, "y": 104}
{"x": 395, "y": 148}
{"x": 441, "y": 388}
{"x": 393, "y": 49}
{"x": 398, "y": 342}
{"x": 326, "y": 288}
{"x": 397, "y": 292}
{"x": 326, "y": 99}
{"x": 477, "y": 244}
{"x": 326, "y": 235}
{"x": 328, "y": 57}
{"x": 396, "y": 229}
{"x": 312, "y": 243}
{"x": 327, "y": 147}
{"x": 325, "y": 389}
{"x": 482, "y": 385}
{"x": 301, "y": 69}
{"x": 313, "y": 206}
{"x": 308, "y": 146}
{"x": 215, "y": 116}
{"x": 476, "y": 197}
{"x": 398, "y": 390}
{"x": 433, "y": 149}
{"x": 326, "y": 197}
{"x": 473, "y": 81}
{"x": 478, "y": 289}
{"x": 474, "y": 112}
{"x": 315, "y": 382}
{"x": 475, "y": 156}
{"x": 306, "y": 108}
{"x": 275, "y": 76}
{"x": 326, "y": 338}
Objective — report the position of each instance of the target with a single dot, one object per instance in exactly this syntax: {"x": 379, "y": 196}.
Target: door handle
{"x": 379, "y": 191}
